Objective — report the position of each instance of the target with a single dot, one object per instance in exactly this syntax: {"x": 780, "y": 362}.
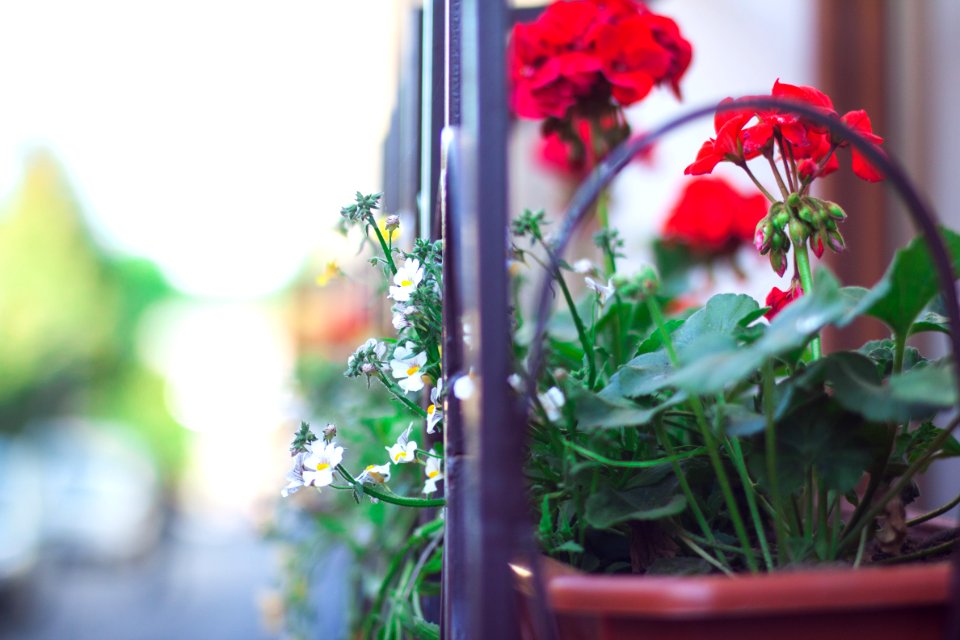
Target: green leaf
{"x": 930, "y": 321}
{"x": 715, "y": 368}
{"x": 858, "y": 386}
{"x": 737, "y": 420}
{"x": 609, "y": 507}
{"x": 908, "y": 285}
{"x": 599, "y": 411}
{"x": 914, "y": 443}
{"x": 823, "y": 436}
{"x": 648, "y": 372}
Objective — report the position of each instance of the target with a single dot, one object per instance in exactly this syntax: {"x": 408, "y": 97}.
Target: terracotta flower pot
{"x": 880, "y": 603}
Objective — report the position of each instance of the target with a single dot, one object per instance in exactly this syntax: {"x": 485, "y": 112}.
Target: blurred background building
{"x": 170, "y": 174}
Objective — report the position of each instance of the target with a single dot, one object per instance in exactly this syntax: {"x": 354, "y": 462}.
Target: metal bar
{"x": 495, "y": 503}
{"x": 432, "y": 99}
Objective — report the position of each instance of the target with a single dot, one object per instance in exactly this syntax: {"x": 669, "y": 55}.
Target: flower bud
{"x": 835, "y": 240}
{"x": 329, "y": 433}
{"x": 781, "y": 218}
{"x": 835, "y": 211}
{"x": 392, "y": 222}
{"x": 805, "y": 213}
{"x": 830, "y": 225}
{"x": 763, "y": 236}
{"x": 816, "y": 245}
{"x": 649, "y": 280}
{"x": 778, "y": 260}
{"x": 793, "y": 200}
{"x": 369, "y": 368}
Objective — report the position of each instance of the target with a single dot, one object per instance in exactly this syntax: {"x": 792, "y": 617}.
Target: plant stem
{"x": 861, "y": 545}
{"x": 900, "y": 342}
{"x": 603, "y": 218}
{"x": 776, "y": 175}
{"x": 581, "y": 330}
{"x": 939, "y": 511}
{"x": 706, "y": 556}
{"x": 759, "y": 184}
{"x": 806, "y": 281}
{"x": 397, "y": 393}
{"x": 902, "y": 481}
{"x": 383, "y": 244}
{"x": 823, "y": 524}
{"x": 709, "y": 440}
{"x": 635, "y": 464}
{"x": 943, "y": 547}
{"x": 750, "y": 492}
{"x": 685, "y": 487}
{"x": 389, "y": 497}
{"x": 769, "y": 385}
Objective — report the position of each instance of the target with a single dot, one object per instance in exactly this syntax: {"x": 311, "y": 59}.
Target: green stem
{"x": 939, "y": 511}
{"x": 685, "y": 486}
{"x": 389, "y": 497}
{"x": 603, "y": 218}
{"x": 706, "y": 556}
{"x": 709, "y": 440}
{"x": 900, "y": 342}
{"x": 581, "y": 330}
{"x": 397, "y": 393}
{"x": 943, "y": 547}
{"x": 806, "y": 281}
{"x": 759, "y": 185}
{"x": 769, "y": 385}
{"x": 383, "y": 244}
{"x": 776, "y": 175}
{"x": 823, "y": 524}
{"x": 750, "y": 492}
{"x": 861, "y": 545}
{"x": 935, "y": 445}
{"x": 635, "y": 464}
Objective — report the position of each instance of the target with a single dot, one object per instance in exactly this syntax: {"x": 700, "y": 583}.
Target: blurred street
{"x": 206, "y": 579}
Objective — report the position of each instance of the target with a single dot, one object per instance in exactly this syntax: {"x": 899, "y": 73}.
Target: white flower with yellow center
{"x": 434, "y": 475}
{"x": 295, "y": 477}
{"x": 552, "y": 400}
{"x": 375, "y": 474}
{"x": 603, "y": 291}
{"x": 406, "y": 367}
{"x": 407, "y": 278}
{"x": 318, "y": 466}
{"x": 404, "y": 450}
{"x": 435, "y": 411}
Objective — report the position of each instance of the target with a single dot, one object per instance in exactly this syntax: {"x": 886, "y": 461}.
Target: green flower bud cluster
{"x": 643, "y": 284}
{"x": 801, "y": 219}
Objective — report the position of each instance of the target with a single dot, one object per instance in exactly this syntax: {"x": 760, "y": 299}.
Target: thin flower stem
{"x": 714, "y": 544}
{"x": 387, "y": 253}
{"x": 786, "y": 165}
{"x": 581, "y": 330}
{"x": 397, "y": 393}
{"x": 750, "y": 492}
{"x": 603, "y": 217}
{"x": 930, "y": 515}
{"x": 706, "y": 556}
{"x": 943, "y": 547}
{"x": 823, "y": 524}
{"x": 635, "y": 464}
{"x": 777, "y": 176}
{"x": 763, "y": 190}
{"x": 685, "y": 487}
{"x": 783, "y": 550}
{"x": 897, "y": 487}
{"x": 389, "y": 497}
{"x": 709, "y": 439}
{"x": 806, "y": 281}
{"x": 861, "y": 545}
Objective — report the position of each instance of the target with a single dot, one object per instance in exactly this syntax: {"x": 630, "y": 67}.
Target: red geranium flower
{"x": 778, "y": 299}
{"x": 712, "y": 217}
{"x": 576, "y": 150}
{"x": 728, "y": 146}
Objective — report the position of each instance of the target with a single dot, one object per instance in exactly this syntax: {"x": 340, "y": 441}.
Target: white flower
{"x": 435, "y": 411}
{"x": 400, "y": 321}
{"x": 375, "y": 474}
{"x": 516, "y": 382}
{"x": 434, "y": 475}
{"x": 406, "y": 367}
{"x": 604, "y": 292}
{"x": 318, "y": 466}
{"x": 464, "y": 386}
{"x": 406, "y": 280}
{"x": 295, "y": 477}
{"x": 403, "y": 450}
{"x": 552, "y": 399}
{"x": 583, "y": 265}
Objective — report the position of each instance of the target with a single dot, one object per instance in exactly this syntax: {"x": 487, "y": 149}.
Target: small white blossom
{"x": 552, "y": 400}
{"x": 400, "y": 320}
{"x": 407, "y": 278}
{"x": 435, "y": 411}
{"x": 515, "y": 382}
{"x": 404, "y": 449}
{"x": 375, "y": 474}
{"x": 434, "y": 475}
{"x": 603, "y": 291}
{"x": 583, "y": 265}
{"x": 406, "y": 367}
{"x": 295, "y": 477}
{"x": 318, "y": 466}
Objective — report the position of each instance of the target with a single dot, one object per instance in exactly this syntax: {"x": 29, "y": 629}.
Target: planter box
{"x": 900, "y": 602}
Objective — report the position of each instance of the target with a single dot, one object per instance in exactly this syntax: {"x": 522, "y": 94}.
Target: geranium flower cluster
{"x": 804, "y": 150}
{"x": 591, "y": 52}
{"x": 711, "y": 217}
{"x": 580, "y": 63}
